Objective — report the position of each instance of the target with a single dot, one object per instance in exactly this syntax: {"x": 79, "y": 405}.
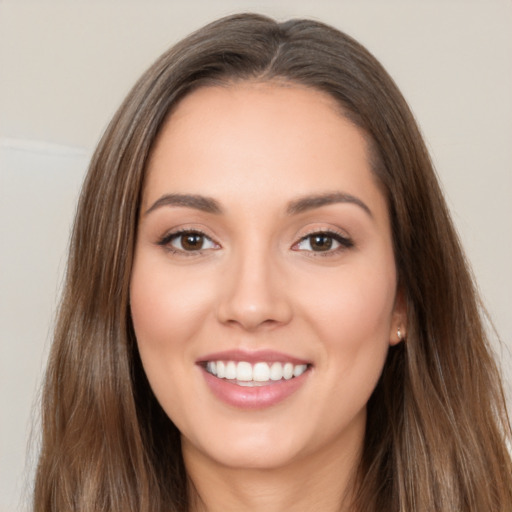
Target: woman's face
{"x": 263, "y": 288}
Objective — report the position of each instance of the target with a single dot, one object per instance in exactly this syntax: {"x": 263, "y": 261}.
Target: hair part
{"x": 437, "y": 424}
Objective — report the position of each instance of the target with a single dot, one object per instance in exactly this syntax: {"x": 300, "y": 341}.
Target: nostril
{"x": 253, "y": 297}
{"x": 250, "y": 323}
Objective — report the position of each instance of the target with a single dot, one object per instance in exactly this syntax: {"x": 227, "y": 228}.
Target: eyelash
{"x": 166, "y": 240}
{"x": 344, "y": 243}
{"x": 342, "y": 240}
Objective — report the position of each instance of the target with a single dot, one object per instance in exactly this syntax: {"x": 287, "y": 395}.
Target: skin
{"x": 258, "y": 284}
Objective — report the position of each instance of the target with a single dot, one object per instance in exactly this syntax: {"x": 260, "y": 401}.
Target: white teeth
{"x": 288, "y": 371}
{"x": 276, "y": 371}
{"x": 211, "y": 367}
{"x": 231, "y": 370}
{"x": 261, "y": 372}
{"x": 246, "y": 373}
{"x": 243, "y": 371}
{"x": 299, "y": 370}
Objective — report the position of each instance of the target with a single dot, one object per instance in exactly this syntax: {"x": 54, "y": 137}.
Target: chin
{"x": 258, "y": 448}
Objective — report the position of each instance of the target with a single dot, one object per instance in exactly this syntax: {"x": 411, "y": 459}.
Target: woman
{"x": 266, "y": 305}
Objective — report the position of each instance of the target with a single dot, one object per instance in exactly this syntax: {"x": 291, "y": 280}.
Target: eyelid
{"x": 344, "y": 241}
{"x": 168, "y": 237}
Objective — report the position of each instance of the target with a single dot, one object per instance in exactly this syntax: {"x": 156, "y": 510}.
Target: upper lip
{"x": 256, "y": 356}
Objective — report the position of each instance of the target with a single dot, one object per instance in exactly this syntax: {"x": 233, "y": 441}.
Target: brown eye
{"x": 188, "y": 241}
{"x": 321, "y": 242}
{"x": 191, "y": 241}
{"x": 324, "y": 242}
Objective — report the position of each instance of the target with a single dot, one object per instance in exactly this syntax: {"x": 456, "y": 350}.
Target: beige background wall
{"x": 65, "y": 66}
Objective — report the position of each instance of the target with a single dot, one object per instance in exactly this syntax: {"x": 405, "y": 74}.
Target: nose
{"x": 254, "y": 294}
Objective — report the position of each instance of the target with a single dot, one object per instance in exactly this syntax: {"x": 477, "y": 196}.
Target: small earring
{"x": 399, "y": 334}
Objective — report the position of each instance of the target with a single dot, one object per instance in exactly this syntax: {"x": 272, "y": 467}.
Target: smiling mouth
{"x": 244, "y": 373}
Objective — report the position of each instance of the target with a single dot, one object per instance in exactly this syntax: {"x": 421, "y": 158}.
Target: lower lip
{"x": 258, "y": 397}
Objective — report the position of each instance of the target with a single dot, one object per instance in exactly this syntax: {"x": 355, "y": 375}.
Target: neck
{"x": 324, "y": 481}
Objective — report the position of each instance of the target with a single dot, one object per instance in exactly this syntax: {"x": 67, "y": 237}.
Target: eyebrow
{"x": 205, "y": 204}
{"x": 311, "y": 202}
{"x": 300, "y": 205}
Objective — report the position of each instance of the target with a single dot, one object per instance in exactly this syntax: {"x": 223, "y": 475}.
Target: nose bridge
{"x": 254, "y": 291}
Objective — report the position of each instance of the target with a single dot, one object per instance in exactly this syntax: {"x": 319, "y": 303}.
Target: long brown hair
{"x": 437, "y": 425}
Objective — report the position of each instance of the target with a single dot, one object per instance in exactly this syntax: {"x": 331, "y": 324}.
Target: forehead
{"x": 268, "y": 140}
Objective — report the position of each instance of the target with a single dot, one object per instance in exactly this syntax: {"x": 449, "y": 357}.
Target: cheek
{"x": 352, "y": 314}
{"x": 167, "y": 307}
{"x": 168, "y": 310}
{"x": 360, "y": 300}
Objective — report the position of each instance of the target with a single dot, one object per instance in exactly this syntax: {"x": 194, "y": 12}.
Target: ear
{"x": 398, "y": 331}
